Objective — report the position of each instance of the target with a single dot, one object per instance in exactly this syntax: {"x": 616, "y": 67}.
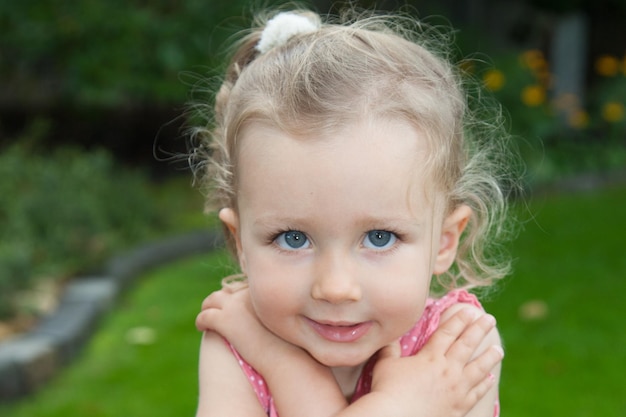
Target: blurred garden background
{"x": 92, "y": 164}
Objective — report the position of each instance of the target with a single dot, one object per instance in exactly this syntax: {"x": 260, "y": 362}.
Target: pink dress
{"x": 411, "y": 343}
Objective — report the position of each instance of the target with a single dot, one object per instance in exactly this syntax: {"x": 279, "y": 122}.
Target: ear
{"x": 453, "y": 226}
{"x": 229, "y": 217}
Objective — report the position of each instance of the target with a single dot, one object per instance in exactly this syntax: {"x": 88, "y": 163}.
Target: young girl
{"x": 347, "y": 171}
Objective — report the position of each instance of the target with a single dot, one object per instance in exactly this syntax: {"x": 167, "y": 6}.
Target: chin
{"x": 335, "y": 360}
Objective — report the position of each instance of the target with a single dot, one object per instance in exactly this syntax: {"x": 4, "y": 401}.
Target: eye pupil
{"x": 295, "y": 239}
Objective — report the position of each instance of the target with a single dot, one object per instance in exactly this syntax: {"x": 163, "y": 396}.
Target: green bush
{"x": 62, "y": 212}
{"x": 109, "y": 53}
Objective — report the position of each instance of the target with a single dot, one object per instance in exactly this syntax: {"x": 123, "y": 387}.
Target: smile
{"x": 340, "y": 332}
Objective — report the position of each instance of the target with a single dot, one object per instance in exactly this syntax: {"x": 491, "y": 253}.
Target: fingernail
{"x": 471, "y": 313}
{"x": 491, "y": 376}
{"x": 499, "y": 349}
{"x": 490, "y": 319}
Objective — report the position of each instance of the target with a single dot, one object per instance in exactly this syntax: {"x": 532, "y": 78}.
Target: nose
{"x": 336, "y": 280}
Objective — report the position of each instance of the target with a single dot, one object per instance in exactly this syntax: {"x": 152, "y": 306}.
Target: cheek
{"x": 404, "y": 293}
{"x": 273, "y": 290}
{"x": 403, "y": 303}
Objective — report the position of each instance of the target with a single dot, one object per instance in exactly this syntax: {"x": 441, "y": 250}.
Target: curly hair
{"x": 379, "y": 66}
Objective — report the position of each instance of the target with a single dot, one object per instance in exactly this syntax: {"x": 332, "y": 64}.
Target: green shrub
{"x": 108, "y": 53}
{"x": 62, "y": 212}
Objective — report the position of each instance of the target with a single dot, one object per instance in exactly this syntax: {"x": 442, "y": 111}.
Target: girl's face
{"x": 336, "y": 236}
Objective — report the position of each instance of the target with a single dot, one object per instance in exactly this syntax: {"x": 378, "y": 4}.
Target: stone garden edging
{"x": 29, "y": 360}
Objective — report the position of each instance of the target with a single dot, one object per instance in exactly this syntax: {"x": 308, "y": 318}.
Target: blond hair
{"x": 390, "y": 66}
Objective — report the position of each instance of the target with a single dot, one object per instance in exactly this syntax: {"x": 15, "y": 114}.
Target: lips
{"x": 339, "y": 331}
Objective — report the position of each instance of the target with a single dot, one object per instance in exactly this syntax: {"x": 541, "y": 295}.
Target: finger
{"x": 207, "y": 319}
{"x": 451, "y": 330}
{"x": 483, "y": 365}
{"x": 477, "y": 393}
{"x": 214, "y": 300}
{"x": 464, "y": 347}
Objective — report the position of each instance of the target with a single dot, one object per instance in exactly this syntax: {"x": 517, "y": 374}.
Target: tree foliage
{"x": 107, "y": 52}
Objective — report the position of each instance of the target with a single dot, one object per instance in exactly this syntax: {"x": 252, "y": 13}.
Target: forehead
{"x": 372, "y": 166}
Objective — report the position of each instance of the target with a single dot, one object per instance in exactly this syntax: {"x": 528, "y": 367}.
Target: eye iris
{"x": 379, "y": 238}
{"x": 295, "y": 239}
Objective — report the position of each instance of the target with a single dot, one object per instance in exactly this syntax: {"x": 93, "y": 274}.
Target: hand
{"x": 230, "y": 313}
{"x": 446, "y": 378}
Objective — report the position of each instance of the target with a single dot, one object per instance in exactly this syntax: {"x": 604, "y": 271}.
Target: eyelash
{"x": 271, "y": 239}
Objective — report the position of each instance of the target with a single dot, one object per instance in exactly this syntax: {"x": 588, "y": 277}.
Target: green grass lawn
{"x": 114, "y": 377}
{"x": 567, "y": 360}
{"x": 571, "y": 256}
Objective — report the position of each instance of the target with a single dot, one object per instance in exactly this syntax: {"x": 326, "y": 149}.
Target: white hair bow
{"x": 283, "y": 27}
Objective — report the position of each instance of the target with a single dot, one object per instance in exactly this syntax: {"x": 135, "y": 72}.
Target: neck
{"x": 347, "y": 378}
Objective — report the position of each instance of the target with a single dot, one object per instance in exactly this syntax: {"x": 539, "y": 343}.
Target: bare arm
{"x": 439, "y": 381}
{"x": 448, "y": 377}
{"x": 224, "y": 388}
{"x": 284, "y": 366}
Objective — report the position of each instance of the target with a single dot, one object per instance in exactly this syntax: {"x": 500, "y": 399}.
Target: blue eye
{"x": 292, "y": 240}
{"x": 379, "y": 239}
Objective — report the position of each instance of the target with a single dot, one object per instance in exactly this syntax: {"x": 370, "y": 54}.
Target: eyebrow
{"x": 389, "y": 223}
{"x": 276, "y": 221}
{"x": 366, "y": 222}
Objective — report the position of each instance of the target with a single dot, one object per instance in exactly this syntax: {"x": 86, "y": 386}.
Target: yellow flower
{"x": 533, "y": 95}
{"x": 578, "y": 119}
{"x": 534, "y": 60}
{"x": 494, "y": 80}
{"x": 613, "y": 111}
{"x": 607, "y": 65}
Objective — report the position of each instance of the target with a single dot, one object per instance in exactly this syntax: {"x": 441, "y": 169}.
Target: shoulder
{"x": 436, "y": 311}
{"x": 461, "y": 299}
{"x": 224, "y": 388}
{"x": 454, "y": 299}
